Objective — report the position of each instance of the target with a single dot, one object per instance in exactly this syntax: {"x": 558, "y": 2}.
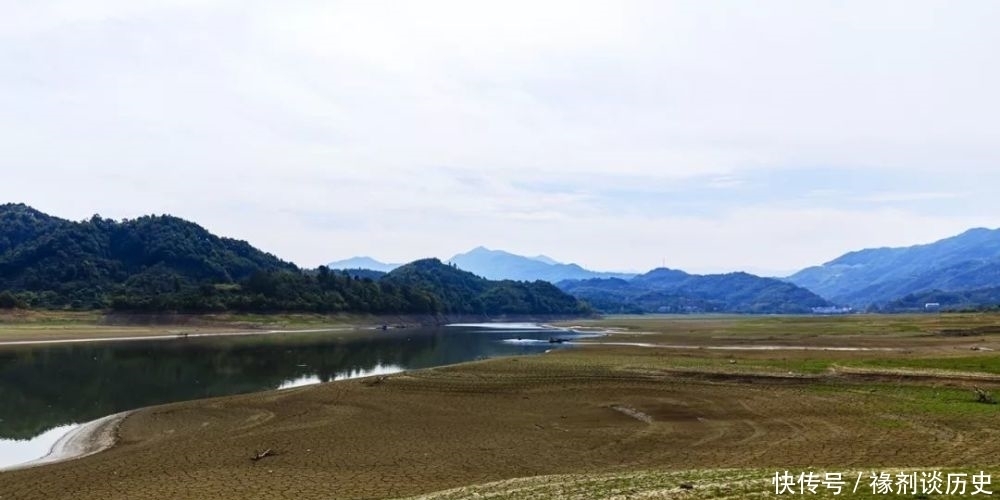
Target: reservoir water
{"x": 48, "y": 390}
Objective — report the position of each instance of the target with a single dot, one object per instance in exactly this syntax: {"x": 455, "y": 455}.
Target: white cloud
{"x": 401, "y": 129}
{"x": 903, "y": 197}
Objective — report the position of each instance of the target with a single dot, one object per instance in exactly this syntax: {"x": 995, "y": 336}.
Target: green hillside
{"x": 163, "y": 263}
{"x": 462, "y": 292}
{"x": 672, "y": 291}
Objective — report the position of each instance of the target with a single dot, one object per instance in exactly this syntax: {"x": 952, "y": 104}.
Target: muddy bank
{"x": 173, "y": 326}
{"x": 580, "y": 411}
{"x": 360, "y": 320}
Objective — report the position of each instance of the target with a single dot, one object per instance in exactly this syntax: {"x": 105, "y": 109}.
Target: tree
{"x": 9, "y": 301}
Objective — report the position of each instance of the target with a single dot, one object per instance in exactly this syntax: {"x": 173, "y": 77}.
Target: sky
{"x": 709, "y": 136}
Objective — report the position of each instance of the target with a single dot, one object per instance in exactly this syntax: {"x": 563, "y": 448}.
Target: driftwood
{"x": 376, "y": 381}
{"x": 261, "y": 454}
{"x": 983, "y": 396}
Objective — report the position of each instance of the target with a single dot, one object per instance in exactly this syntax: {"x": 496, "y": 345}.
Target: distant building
{"x": 932, "y": 306}
{"x": 832, "y": 310}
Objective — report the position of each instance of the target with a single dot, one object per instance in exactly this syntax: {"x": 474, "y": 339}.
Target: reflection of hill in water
{"x": 44, "y": 387}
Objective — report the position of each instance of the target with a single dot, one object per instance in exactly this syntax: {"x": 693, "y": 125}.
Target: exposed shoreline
{"x": 774, "y": 347}
{"x": 101, "y": 434}
{"x": 475, "y": 423}
{"x": 172, "y": 336}
{"x": 87, "y": 439}
{"x": 117, "y": 327}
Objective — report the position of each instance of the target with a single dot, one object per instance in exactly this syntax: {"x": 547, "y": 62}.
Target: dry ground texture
{"x": 600, "y": 421}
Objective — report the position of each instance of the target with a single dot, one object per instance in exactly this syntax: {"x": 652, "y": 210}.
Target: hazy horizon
{"x": 708, "y": 137}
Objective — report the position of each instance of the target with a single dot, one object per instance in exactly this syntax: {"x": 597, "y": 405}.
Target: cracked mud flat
{"x": 434, "y": 430}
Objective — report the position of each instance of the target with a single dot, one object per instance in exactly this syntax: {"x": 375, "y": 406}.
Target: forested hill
{"x": 163, "y": 263}
{"x": 53, "y": 262}
{"x": 462, "y": 292}
{"x": 980, "y": 299}
{"x": 966, "y": 262}
{"x": 673, "y": 291}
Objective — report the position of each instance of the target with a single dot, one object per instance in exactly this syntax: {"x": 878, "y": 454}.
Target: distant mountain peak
{"x": 663, "y": 270}
{"x": 546, "y": 259}
{"x": 362, "y": 262}
{"x": 977, "y": 233}
{"x": 481, "y": 250}
{"x": 499, "y": 265}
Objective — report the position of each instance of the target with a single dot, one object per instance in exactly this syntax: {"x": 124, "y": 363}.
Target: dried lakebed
{"x": 97, "y": 381}
{"x": 577, "y": 423}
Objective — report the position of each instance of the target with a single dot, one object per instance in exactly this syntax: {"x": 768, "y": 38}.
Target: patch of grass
{"x": 24, "y": 325}
{"x": 986, "y": 363}
{"x": 912, "y": 400}
{"x": 32, "y": 318}
{"x": 797, "y": 326}
{"x": 795, "y": 365}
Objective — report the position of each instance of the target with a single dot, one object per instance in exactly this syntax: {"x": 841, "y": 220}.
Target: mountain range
{"x": 496, "y": 265}
{"x": 671, "y": 291}
{"x": 661, "y": 290}
{"x": 362, "y": 262}
{"x": 958, "y": 272}
{"x": 167, "y": 264}
{"x": 879, "y": 276}
{"x": 164, "y": 263}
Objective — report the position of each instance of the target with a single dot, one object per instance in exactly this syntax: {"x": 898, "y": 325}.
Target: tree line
{"x": 166, "y": 264}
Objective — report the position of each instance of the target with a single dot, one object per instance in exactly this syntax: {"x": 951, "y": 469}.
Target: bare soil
{"x": 574, "y": 411}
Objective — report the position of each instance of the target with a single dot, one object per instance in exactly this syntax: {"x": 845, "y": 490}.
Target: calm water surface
{"x": 48, "y": 390}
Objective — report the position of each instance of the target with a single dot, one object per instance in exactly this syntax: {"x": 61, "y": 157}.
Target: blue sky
{"x": 712, "y": 136}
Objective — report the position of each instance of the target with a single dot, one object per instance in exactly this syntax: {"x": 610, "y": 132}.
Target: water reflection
{"x": 16, "y": 451}
{"x": 46, "y": 390}
{"x": 347, "y": 374}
